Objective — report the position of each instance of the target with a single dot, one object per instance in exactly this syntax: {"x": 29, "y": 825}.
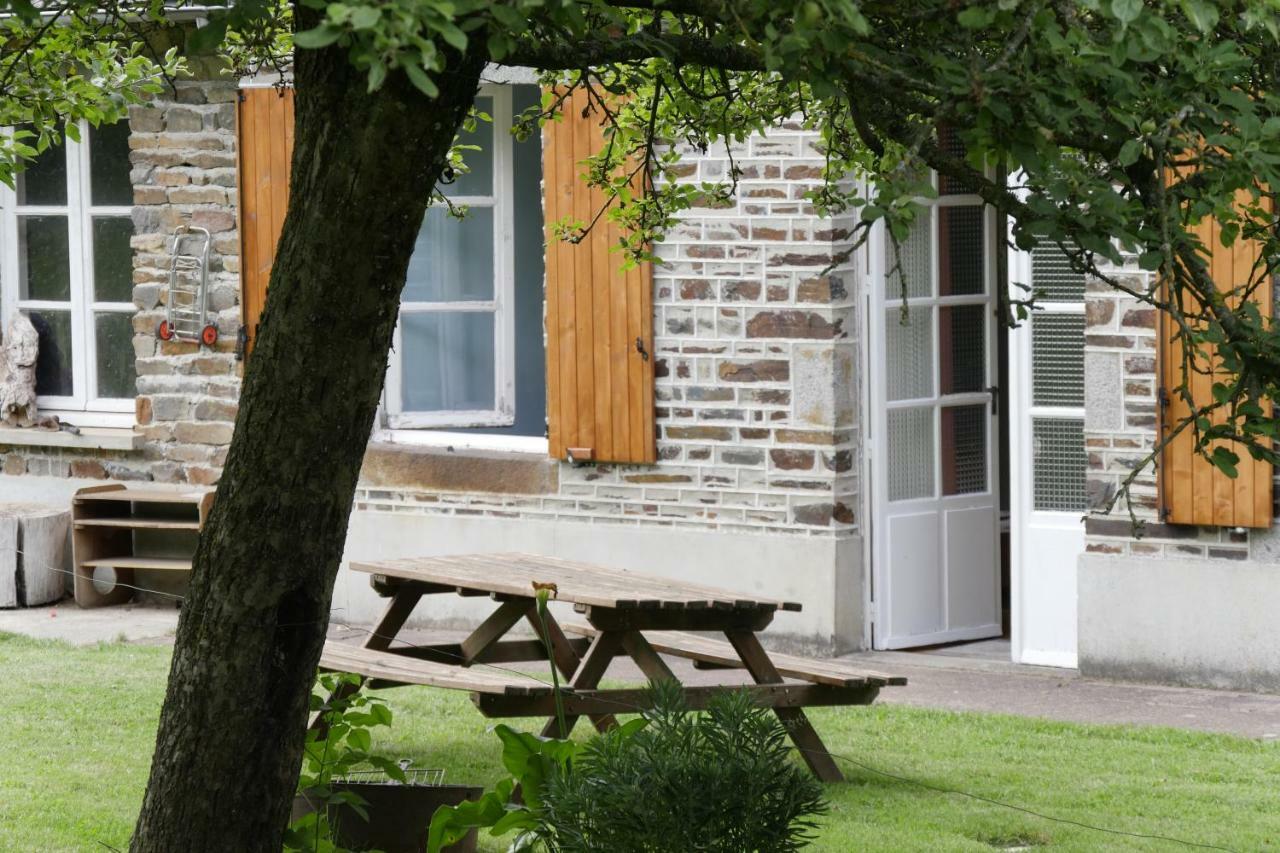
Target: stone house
{"x": 741, "y": 413}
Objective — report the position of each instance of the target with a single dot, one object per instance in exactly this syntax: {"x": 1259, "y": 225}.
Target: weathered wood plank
{"x": 781, "y": 697}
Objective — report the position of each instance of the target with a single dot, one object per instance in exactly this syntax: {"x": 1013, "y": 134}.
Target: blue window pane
{"x": 447, "y": 362}
{"x": 479, "y": 180}
{"x": 453, "y": 258}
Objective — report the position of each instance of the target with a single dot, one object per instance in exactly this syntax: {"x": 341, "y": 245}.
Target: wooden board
{"x": 173, "y": 564}
{"x": 585, "y": 702}
{"x": 155, "y": 496}
{"x": 1192, "y": 491}
{"x": 577, "y": 583}
{"x": 709, "y": 650}
{"x": 138, "y": 522}
{"x": 599, "y": 317}
{"x": 389, "y": 666}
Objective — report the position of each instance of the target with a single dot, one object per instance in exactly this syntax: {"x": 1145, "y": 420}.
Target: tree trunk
{"x": 231, "y": 731}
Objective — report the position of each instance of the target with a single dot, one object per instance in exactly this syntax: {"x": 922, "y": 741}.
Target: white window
{"x": 453, "y": 363}
{"x": 66, "y": 262}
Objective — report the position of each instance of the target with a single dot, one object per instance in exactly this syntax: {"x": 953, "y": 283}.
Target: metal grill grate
{"x": 910, "y": 453}
{"x": 964, "y": 435}
{"x": 962, "y": 256}
{"x": 1059, "y": 464}
{"x": 1057, "y": 358}
{"x": 909, "y": 353}
{"x": 964, "y": 342}
{"x": 1051, "y": 274}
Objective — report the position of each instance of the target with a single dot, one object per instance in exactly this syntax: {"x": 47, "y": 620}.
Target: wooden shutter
{"x": 264, "y": 122}
{"x": 1192, "y": 491}
{"x": 599, "y": 318}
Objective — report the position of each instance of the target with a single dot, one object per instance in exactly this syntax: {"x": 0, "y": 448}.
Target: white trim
{"x": 81, "y": 305}
{"x": 1059, "y": 660}
{"x": 952, "y": 635}
{"x": 463, "y": 440}
{"x": 89, "y": 438}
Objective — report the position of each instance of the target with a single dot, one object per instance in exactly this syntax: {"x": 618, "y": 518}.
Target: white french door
{"x": 1047, "y": 457}
{"x": 934, "y": 436}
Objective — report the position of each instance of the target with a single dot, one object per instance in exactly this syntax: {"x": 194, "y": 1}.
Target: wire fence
{"x": 633, "y": 708}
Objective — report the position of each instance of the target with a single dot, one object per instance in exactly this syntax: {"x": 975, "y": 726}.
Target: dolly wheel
{"x": 209, "y": 335}
{"x": 164, "y": 331}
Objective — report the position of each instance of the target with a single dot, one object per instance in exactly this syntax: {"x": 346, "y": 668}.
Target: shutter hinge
{"x": 241, "y": 96}
{"x": 1163, "y": 396}
{"x": 242, "y": 342}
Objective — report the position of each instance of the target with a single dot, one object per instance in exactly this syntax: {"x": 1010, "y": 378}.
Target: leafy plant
{"x": 338, "y": 746}
{"x": 669, "y": 782}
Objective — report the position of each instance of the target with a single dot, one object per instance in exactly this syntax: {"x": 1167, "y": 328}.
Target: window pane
{"x": 45, "y": 180}
{"x": 1059, "y": 460}
{"x": 1057, "y": 359}
{"x": 909, "y": 352}
{"x": 949, "y": 142}
{"x": 112, "y": 259}
{"x": 479, "y": 181}
{"x": 1051, "y": 273}
{"x": 44, "y": 265}
{"x": 963, "y": 342}
{"x": 911, "y": 446}
{"x": 109, "y": 180}
{"x": 913, "y": 261}
{"x": 453, "y": 258}
{"x": 961, "y": 251}
{"x": 53, "y": 367}
{"x": 117, "y": 373}
{"x": 964, "y": 449}
{"x": 447, "y": 361}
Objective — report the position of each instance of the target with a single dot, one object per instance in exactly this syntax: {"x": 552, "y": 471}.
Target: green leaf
{"x": 976, "y": 17}
{"x": 421, "y": 81}
{"x": 321, "y": 36}
{"x": 1129, "y": 152}
{"x": 1127, "y": 11}
{"x": 1203, "y": 16}
{"x": 365, "y": 17}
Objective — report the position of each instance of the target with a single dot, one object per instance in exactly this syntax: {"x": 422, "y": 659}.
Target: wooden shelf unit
{"x": 111, "y": 526}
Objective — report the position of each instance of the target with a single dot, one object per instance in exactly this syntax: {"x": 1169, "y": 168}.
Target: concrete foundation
{"x": 1199, "y": 623}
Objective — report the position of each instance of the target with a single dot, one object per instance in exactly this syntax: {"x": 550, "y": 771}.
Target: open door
{"x": 934, "y": 426}
{"x": 1046, "y": 450}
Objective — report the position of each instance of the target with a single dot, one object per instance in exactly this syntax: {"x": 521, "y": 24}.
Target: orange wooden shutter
{"x": 264, "y": 121}
{"x": 1192, "y": 491}
{"x": 599, "y": 318}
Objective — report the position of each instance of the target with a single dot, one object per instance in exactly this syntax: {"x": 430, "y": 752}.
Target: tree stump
{"x": 33, "y": 542}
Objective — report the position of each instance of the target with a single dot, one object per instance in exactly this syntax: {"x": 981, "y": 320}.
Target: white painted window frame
{"x": 84, "y": 406}
{"x": 502, "y": 306}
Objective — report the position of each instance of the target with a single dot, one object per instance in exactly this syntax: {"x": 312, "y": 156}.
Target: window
{"x": 468, "y": 351}
{"x": 67, "y": 264}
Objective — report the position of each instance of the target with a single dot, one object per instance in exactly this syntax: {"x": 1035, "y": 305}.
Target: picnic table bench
{"x": 627, "y": 614}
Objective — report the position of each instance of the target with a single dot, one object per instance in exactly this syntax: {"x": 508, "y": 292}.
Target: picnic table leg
{"x": 649, "y": 661}
{"x": 492, "y": 629}
{"x": 566, "y": 660}
{"x": 803, "y": 735}
{"x": 393, "y": 617}
{"x": 604, "y": 648}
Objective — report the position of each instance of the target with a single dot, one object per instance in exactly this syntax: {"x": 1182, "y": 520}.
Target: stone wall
{"x": 183, "y": 158}
{"x": 1121, "y": 407}
{"x": 756, "y": 342}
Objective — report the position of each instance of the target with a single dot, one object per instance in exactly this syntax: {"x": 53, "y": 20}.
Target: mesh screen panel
{"x": 962, "y": 251}
{"x": 963, "y": 342}
{"x": 964, "y": 449}
{"x": 1051, "y": 273}
{"x": 911, "y": 448}
{"x": 914, "y": 263}
{"x": 1057, "y": 359}
{"x": 909, "y": 353}
{"x": 950, "y": 143}
{"x": 1058, "y": 464}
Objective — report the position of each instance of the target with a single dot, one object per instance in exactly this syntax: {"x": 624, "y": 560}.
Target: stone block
{"x": 1103, "y": 391}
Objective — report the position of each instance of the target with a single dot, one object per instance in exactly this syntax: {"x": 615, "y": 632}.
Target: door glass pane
{"x": 1052, "y": 276}
{"x": 913, "y": 262}
{"x": 109, "y": 182}
{"x": 1057, "y": 359}
{"x": 447, "y": 361}
{"x": 911, "y": 445}
{"x": 961, "y": 251}
{"x": 453, "y": 258}
{"x": 478, "y": 181}
{"x": 951, "y": 145}
{"x": 117, "y": 373}
{"x": 44, "y": 258}
{"x": 963, "y": 342}
{"x": 909, "y": 352}
{"x": 964, "y": 449}
{"x": 1058, "y": 464}
{"x": 44, "y": 181}
{"x": 53, "y": 367}
{"x": 112, "y": 259}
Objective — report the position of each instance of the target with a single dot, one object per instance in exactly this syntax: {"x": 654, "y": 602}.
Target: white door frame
{"x": 876, "y": 398}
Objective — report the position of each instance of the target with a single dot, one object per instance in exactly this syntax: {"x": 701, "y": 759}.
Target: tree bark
{"x": 231, "y": 731}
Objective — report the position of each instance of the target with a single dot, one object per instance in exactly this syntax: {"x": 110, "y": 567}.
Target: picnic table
{"x": 626, "y": 614}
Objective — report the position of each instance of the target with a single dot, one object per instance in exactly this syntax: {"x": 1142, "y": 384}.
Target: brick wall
{"x": 1121, "y": 407}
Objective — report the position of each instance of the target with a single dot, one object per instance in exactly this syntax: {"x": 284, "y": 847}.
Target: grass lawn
{"x": 77, "y": 726}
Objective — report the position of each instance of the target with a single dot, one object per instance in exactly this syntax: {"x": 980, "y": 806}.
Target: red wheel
{"x": 164, "y": 331}
{"x": 209, "y": 335}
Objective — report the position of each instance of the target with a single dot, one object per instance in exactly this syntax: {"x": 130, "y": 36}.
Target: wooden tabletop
{"x": 577, "y": 583}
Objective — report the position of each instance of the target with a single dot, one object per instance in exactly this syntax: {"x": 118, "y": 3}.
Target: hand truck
{"x": 186, "y": 311}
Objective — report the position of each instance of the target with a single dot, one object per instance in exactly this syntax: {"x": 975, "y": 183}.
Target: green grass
{"x": 77, "y": 727}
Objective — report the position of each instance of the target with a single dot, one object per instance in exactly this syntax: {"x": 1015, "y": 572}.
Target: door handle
{"x": 994, "y": 391}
